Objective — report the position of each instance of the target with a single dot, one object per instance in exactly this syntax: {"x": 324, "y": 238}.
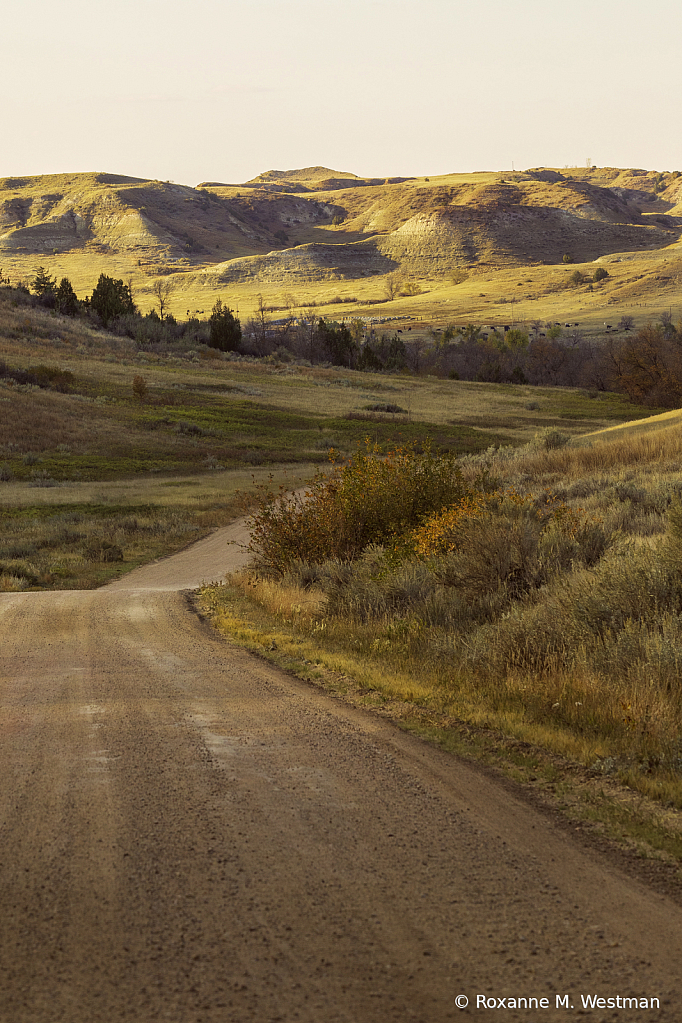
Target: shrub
{"x": 139, "y": 387}
{"x": 225, "y": 329}
{"x": 502, "y": 538}
{"x": 459, "y": 276}
{"x": 554, "y": 439}
{"x": 20, "y": 570}
{"x": 111, "y": 298}
{"x": 102, "y": 550}
{"x": 388, "y": 406}
{"x": 368, "y": 500}
{"x": 189, "y": 429}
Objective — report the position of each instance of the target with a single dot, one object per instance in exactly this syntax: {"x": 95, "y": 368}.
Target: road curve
{"x": 188, "y": 834}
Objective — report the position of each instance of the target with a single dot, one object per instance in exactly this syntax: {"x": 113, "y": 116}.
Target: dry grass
{"x": 653, "y": 447}
{"x": 46, "y": 532}
{"x": 292, "y": 604}
{"x": 586, "y": 667}
{"x": 189, "y": 491}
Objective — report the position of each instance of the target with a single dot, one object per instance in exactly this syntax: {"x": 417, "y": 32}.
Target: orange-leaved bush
{"x": 502, "y": 538}
{"x": 443, "y": 532}
{"x": 370, "y": 499}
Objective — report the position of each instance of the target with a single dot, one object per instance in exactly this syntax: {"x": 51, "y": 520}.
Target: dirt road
{"x": 189, "y": 835}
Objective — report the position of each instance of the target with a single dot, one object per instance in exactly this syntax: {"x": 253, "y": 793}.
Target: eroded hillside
{"x": 307, "y": 228}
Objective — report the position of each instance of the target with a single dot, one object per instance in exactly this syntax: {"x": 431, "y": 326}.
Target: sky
{"x": 221, "y": 90}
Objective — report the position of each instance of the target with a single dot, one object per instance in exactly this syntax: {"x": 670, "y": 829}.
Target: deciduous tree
{"x": 162, "y": 291}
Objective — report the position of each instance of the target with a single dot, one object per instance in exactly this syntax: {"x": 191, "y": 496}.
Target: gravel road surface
{"x": 188, "y": 834}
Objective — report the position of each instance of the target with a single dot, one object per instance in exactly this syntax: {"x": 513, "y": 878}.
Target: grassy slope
{"x": 549, "y": 729}
{"x": 203, "y": 429}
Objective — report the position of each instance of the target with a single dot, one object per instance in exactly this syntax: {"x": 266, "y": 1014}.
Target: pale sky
{"x": 220, "y": 90}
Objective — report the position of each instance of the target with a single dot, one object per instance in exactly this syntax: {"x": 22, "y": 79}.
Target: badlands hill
{"x": 308, "y": 227}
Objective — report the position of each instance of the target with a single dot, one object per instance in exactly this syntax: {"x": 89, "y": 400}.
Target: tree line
{"x": 111, "y": 305}
{"x": 645, "y": 364}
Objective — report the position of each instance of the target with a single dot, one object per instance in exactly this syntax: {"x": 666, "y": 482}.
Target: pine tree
{"x": 43, "y": 285}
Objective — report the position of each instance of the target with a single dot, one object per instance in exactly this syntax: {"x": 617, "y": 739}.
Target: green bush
{"x": 225, "y": 332}
{"x": 111, "y": 298}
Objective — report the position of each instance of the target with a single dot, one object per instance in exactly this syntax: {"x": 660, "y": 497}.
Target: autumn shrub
{"x": 586, "y": 617}
{"x": 369, "y": 499}
{"x": 513, "y": 609}
{"x": 369, "y": 593}
{"x": 502, "y": 534}
{"x": 463, "y": 565}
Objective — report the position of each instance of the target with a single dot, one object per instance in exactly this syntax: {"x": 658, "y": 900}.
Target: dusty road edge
{"x": 640, "y": 837}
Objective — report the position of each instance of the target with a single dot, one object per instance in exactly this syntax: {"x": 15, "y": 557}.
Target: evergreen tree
{"x": 45, "y": 287}
{"x": 67, "y": 301}
{"x": 111, "y": 299}
{"x": 225, "y": 331}
{"x": 338, "y": 342}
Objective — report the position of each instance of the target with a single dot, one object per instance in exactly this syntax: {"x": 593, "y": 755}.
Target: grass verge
{"x": 274, "y": 624}
{"x": 83, "y": 535}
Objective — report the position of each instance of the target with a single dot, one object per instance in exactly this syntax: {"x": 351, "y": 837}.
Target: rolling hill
{"x": 312, "y": 227}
